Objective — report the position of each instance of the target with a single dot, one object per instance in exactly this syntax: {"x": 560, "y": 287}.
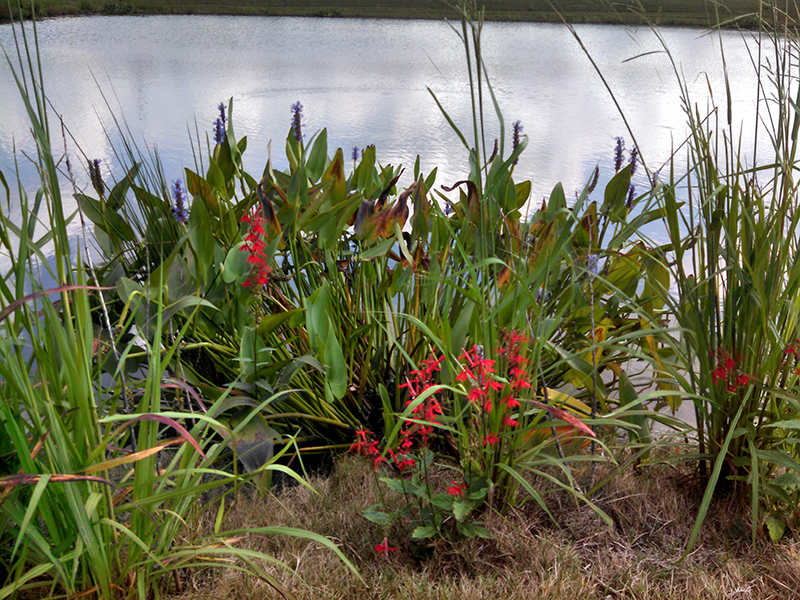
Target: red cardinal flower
{"x": 384, "y": 548}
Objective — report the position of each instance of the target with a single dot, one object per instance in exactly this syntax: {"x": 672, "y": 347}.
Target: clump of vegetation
{"x": 479, "y": 351}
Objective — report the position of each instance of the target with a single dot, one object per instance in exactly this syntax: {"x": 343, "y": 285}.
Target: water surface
{"x": 367, "y": 81}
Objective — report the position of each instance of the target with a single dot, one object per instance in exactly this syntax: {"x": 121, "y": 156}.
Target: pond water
{"x": 367, "y": 81}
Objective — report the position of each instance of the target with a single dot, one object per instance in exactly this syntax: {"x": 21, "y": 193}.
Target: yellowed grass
{"x": 530, "y": 557}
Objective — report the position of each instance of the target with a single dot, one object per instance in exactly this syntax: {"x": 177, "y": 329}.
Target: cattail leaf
{"x": 64, "y": 288}
{"x": 565, "y": 416}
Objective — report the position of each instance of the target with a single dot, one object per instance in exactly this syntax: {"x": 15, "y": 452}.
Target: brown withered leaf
{"x": 473, "y": 198}
{"x": 372, "y": 223}
{"x": 503, "y": 277}
{"x": 385, "y": 193}
{"x": 272, "y": 227}
{"x": 567, "y": 417}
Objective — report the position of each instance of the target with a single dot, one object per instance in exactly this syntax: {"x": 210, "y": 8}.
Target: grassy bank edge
{"x": 683, "y": 13}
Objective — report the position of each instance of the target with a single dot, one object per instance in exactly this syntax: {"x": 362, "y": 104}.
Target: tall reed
{"x": 737, "y": 271}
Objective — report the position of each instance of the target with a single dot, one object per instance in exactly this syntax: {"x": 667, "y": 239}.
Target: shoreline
{"x": 681, "y": 13}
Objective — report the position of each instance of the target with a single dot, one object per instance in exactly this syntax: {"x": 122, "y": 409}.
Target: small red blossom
{"x": 363, "y": 445}
{"x": 490, "y": 440}
{"x": 511, "y": 402}
{"x": 476, "y": 395}
{"x": 477, "y": 365}
{"x": 457, "y": 489}
{"x": 492, "y": 385}
{"x": 509, "y": 422}
{"x": 401, "y": 461}
{"x": 384, "y": 548}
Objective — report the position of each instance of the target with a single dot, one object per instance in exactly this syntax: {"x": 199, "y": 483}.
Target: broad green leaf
{"x": 269, "y": 323}
{"x": 461, "y": 508}
{"x": 235, "y": 265}
{"x": 375, "y": 516}
{"x": 106, "y": 218}
{"x": 201, "y": 236}
{"x": 116, "y": 197}
{"x": 617, "y": 193}
{"x": 378, "y": 249}
{"x": 423, "y": 532}
{"x": 776, "y": 527}
{"x": 523, "y": 190}
{"x": 315, "y": 165}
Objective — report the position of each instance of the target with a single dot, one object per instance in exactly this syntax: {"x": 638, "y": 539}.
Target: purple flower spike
{"x": 515, "y": 139}
{"x": 619, "y": 154}
{"x": 297, "y": 118}
{"x": 179, "y": 211}
{"x": 634, "y": 159}
{"x": 631, "y": 196}
{"x": 219, "y": 125}
{"x": 592, "y": 261}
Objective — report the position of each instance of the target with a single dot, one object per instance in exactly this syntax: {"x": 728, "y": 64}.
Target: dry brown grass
{"x": 530, "y": 557}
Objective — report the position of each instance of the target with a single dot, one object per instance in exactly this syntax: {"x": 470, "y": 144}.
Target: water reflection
{"x": 366, "y": 81}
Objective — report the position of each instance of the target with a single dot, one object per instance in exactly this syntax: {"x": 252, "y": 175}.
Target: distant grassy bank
{"x": 700, "y": 13}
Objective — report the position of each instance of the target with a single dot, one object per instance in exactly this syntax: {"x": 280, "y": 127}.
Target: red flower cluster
{"x": 430, "y": 409}
{"x": 516, "y": 363}
{"x": 727, "y": 373}
{"x": 426, "y": 415}
{"x": 367, "y": 447}
{"x": 256, "y": 248}
{"x": 480, "y": 371}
